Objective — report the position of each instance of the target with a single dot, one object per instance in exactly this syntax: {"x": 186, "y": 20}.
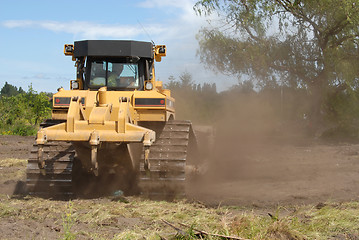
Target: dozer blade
{"x": 55, "y": 180}
{"x": 166, "y": 178}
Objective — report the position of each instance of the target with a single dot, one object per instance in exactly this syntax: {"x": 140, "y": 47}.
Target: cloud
{"x": 180, "y": 38}
{"x": 183, "y": 10}
{"x": 84, "y": 29}
{"x": 41, "y": 76}
{"x": 165, "y": 4}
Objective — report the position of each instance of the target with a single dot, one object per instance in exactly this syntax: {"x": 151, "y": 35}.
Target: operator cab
{"x": 115, "y": 74}
{"x": 119, "y": 65}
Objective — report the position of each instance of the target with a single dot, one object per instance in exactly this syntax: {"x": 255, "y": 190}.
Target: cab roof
{"x": 113, "y": 48}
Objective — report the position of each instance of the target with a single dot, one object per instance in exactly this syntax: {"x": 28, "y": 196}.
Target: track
{"x": 166, "y": 178}
{"x": 57, "y": 181}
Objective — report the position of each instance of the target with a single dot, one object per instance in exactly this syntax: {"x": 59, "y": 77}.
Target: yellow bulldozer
{"x": 115, "y": 129}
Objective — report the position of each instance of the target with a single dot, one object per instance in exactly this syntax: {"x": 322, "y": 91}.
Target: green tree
{"x": 22, "y": 113}
{"x": 9, "y": 90}
{"x": 298, "y": 43}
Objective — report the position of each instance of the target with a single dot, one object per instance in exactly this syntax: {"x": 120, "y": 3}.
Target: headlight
{"x": 148, "y": 86}
{"x": 69, "y": 49}
{"x": 74, "y": 85}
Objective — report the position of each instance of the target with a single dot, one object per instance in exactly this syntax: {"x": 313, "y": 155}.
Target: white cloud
{"x": 85, "y": 29}
{"x": 165, "y": 4}
{"x": 182, "y": 45}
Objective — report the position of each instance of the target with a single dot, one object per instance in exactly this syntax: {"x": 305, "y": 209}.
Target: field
{"x": 258, "y": 189}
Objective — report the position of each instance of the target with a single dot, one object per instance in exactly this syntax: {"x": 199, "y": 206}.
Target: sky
{"x": 33, "y": 34}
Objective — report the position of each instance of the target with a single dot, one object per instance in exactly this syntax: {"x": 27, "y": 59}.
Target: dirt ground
{"x": 12, "y": 178}
{"x": 250, "y": 173}
{"x": 255, "y": 173}
{"x": 15, "y": 146}
{"x": 267, "y": 172}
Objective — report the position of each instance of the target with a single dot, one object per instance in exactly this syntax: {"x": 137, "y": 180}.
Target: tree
{"x": 244, "y": 87}
{"x": 9, "y": 90}
{"x": 172, "y": 84}
{"x": 22, "y": 113}
{"x": 186, "y": 80}
{"x": 193, "y": 101}
{"x": 299, "y": 43}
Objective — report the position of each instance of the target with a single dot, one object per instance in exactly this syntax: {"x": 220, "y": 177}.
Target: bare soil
{"x": 12, "y": 178}
{"x": 268, "y": 172}
{"x": 252, "y": 172}
{"x": 15, "y": 146}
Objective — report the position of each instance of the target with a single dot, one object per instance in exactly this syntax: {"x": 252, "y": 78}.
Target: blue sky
{"x": 32, "y": 35}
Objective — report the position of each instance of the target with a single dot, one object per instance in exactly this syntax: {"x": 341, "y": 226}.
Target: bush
{"x": 21, "y": 114}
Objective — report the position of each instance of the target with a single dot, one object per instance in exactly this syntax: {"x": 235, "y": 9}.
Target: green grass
{"x": 139, "y": 219}
{"x": 7, "y": 210}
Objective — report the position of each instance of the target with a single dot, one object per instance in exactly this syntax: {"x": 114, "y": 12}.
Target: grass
{"x": 15, "y": 169}
{"x": 142, "y": 219}
{"x": 7, "y": 210}
{"x": 13, "y": 162}
{"x": 68, "y": 221}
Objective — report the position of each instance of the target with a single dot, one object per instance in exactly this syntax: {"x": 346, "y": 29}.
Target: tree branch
{"x": 296, "y": 11}
{"x": 343, "y": 39}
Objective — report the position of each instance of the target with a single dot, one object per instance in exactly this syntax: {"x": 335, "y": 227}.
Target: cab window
{"x": 114, "y": 75}
{"x": 98, "y": 74}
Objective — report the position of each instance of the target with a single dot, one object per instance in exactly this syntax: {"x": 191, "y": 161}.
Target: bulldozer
{"x": 115, "y": 129}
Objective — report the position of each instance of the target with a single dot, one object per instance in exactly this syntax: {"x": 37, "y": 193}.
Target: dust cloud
{"x": 257, "y": 156}
{"x": 259, "y": 159}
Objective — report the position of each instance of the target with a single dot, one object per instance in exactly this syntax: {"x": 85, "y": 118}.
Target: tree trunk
{"x": 318, "y": 90}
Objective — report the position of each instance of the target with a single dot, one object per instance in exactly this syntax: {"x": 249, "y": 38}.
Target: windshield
{"x": 114, "y": 75}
